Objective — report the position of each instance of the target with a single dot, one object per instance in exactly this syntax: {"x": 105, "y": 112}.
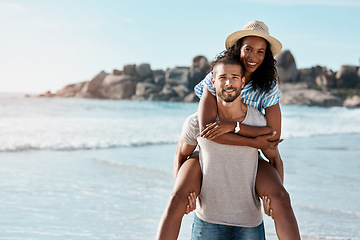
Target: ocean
{"x": 102, "y": 169}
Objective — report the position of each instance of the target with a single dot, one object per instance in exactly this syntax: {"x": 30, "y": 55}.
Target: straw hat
{"x": 254, "y": 28}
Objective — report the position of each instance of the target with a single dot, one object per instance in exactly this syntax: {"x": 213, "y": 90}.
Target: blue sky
{"x": 45, "y": 45}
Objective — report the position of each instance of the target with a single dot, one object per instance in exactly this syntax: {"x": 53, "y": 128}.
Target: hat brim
{"x": 275, "y": 45}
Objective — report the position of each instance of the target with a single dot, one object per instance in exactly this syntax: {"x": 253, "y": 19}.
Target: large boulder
{"x": 83, "y": 93}
{"x": 326, "y": 79}
{"x": 352, "y": 102}
{"x": 94, "y": 86}
{"x": 181, "y": 90}
{"x": 144, "y": 89}
{"x": 347, "y": 77}
{"x": 130, "y": 70}
{"x": 286, "y": 67}
{"x": 198, "y": 70}
{"x": 144, "y": 70}
{"x": 117, "y": 72}
{"x": 159, "y": 77}
{"x": 70, "y": 90}
{"x": 177, "y": 76}
{"x": 191, "y": 97}
{"x": 119, "y": 87}
{"x": 168, "y": 90}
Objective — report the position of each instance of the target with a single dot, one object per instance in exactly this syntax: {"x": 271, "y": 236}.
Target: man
{"x": 227, "y": 207}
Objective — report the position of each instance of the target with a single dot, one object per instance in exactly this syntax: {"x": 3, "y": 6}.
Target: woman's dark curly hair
{"x": 266, "y": 74}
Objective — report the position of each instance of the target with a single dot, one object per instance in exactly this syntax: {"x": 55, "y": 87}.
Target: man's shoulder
{"x": 190, "y": 129}
{"x": 192, "y": 120}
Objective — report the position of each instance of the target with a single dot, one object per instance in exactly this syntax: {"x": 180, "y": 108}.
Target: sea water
{"x": 102, "y": 169}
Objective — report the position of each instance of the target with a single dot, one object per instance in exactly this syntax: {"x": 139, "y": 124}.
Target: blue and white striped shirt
{"x": 255, "y": 98}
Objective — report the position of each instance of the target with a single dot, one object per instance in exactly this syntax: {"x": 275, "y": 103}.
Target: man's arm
{"x": 183, "y": 151}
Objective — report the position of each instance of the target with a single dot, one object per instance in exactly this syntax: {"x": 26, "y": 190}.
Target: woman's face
{"x": 252, "y": 53}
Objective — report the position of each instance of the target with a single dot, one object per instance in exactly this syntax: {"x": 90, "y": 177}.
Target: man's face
{"x": 227, "y": 81}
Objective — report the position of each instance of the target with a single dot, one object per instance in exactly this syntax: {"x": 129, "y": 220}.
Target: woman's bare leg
{"x": 268, "y": 183}
{"x": 187, "y": 181}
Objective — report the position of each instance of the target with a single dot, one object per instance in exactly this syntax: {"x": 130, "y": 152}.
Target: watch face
{"x": 237, "y": 128}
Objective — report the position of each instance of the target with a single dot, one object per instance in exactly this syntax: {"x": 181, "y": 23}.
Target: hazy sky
{"x": 46, "y": 44}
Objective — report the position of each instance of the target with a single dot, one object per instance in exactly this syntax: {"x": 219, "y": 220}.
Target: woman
{"x": 255, "y": 48}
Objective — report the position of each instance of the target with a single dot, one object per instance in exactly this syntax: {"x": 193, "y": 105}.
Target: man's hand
{"x": 266, "y": 204}
{"x": 192, "y": 203}
{"x": 216, "y": 129}
{"x": 262, "y": 142}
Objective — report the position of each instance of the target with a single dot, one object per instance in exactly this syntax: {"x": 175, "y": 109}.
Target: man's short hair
{"x": 226, "y": 58}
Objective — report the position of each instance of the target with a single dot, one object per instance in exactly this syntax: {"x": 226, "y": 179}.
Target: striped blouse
{"x": 255, "y": 98}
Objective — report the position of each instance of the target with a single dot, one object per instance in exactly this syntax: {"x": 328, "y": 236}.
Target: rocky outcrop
{"x": 311, "y": 86}
{"x": 140, "y": 82}
{"x": 317, "y": 85}
{"x": 299, "y": 94}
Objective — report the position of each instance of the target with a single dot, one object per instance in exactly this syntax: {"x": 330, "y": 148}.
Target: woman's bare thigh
{"x": 267, "y": 179}
{"x": 189, "y": 177}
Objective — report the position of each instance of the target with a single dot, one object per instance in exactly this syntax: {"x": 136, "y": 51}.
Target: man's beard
{"x": 228, "y": 98}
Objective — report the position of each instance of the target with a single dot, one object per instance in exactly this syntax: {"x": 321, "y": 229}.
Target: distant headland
{"x": 316, "y": 86}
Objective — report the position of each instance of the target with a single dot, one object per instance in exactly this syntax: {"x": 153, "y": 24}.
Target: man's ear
{"x": 243, "y": 82}
{"x": 213, "y": 81}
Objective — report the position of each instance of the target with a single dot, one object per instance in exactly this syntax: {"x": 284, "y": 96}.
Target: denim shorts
{"x": 210, "y": 231}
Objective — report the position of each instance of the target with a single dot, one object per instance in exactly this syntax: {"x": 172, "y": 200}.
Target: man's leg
{"x": 202, "y": 230}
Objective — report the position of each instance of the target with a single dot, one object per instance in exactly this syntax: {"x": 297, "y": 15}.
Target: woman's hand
{"x": 192, "y": 203}
{"x": 262, "y": 142}
{"x": 216, "y": 129}
{"x": 266, "y": 204}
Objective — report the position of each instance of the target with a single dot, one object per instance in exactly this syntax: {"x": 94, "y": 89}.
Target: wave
{"x": 142, "y": 168}
{"x": 312, "y": 236}
{"x": 326, "y": 210}
{"x": 79, "y": 146}
{"x": 21, "y": 145}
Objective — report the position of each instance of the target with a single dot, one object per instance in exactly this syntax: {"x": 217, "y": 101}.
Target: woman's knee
{"x": 178, "y": 201}
{"x": 280, "y": 197}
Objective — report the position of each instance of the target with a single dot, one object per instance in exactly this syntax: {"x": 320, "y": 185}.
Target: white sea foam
{"x": 76, "y": 124}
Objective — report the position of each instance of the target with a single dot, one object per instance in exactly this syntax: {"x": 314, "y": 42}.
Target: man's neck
{"x": 231, "y": 111}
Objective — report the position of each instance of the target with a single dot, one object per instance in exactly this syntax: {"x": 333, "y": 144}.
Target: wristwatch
{"x": 237, "y": 128}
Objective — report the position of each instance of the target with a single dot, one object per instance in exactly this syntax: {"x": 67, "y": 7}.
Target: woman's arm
{"x": 273, "y": 118}
{"x": 207, "y": 109}
{"x": 216, "y": 129}
{"x": 260, "y": 142}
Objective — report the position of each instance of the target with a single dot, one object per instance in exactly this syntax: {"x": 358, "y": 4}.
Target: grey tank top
{"x": 228, "y": 189}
